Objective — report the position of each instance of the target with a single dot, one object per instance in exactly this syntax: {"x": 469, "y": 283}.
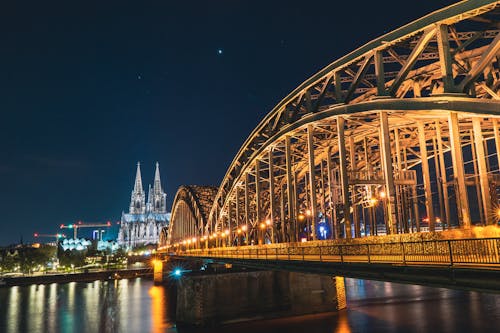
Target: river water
{"x": 138, "y": 306}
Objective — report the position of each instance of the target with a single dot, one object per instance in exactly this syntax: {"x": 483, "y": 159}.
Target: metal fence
{"x": 477, "y": 252}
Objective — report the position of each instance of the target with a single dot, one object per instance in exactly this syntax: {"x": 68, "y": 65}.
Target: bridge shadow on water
{"x": 386, "y": 307}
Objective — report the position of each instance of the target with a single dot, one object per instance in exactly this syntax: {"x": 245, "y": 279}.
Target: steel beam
{"x": 497, "y": 141}
{"x": 445, "y": 60}
{"x": 426, "y": 176}
{"x": 343, "y": 176}
{"x": 443, "y": 182}
{"x": 412, "y": 58}
{"x": 333, "y": 217}
{"x": 385, "y": 155}
{"x": 290, "y": 189}
{"x": 483, "y": 171}
{"x": 258, "y": 215}
{"x": 379, "y": 73}
{"x": 458, "y": 169}
{"x": 271, "y": 195}
{"x": 312, "y": 181}
{"x": 247, "y": 208}
{"x": 477, "y": 69}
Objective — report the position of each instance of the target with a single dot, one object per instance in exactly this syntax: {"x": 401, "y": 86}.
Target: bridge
{"x": 370, "y": 166}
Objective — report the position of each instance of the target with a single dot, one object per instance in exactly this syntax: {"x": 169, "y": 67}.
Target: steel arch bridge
{"x": 190, "y": 212}
{"x": 398, "y": 135}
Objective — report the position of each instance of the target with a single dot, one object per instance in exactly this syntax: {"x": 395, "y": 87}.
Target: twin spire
{"x": 156, "y": 198}
{"x": 138, "y": 179}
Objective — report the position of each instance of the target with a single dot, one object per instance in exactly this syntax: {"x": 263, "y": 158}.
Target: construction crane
{"x": 56, "y": 236}
{"x": 80, "y": 224}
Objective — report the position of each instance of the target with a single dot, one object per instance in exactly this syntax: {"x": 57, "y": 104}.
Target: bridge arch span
{"x": 190, "y": 211}
{"x": 398, "y": 135}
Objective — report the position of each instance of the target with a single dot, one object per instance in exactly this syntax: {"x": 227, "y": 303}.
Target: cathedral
{"x": 143, "y": 223}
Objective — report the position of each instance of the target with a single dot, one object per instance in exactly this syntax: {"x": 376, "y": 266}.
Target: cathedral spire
{"x": 138, "y": 179}
{"x": 157, "y": 182}
{"x": 137, "y": 199}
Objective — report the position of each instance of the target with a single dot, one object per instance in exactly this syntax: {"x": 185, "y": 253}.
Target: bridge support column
{"x": 258, "y": 216}
{"x": 426, "y": 176}
{"x": 344, "y": 180}
{"x": 385, "y": 154}
{"x": 333, "y": 218}
{"x": 497, "y": 140}
{"x": 458, "y": 169}
{"x": 483, "y": 171}
{"x": 237, "y": 217}
{"x": 312, "y": 180}
{"x": 443, "y": 182}
{"x": 339, "y": 282}
{"x": 290, "y": 190}
{"x": 247, "y": 209}
{"x": 355, "y": 208}
{"x": 272, "y": 200}
{"x": 157, "y": 271}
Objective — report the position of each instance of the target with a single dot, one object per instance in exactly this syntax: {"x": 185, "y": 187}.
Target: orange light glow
{"x": 158, "y": 309}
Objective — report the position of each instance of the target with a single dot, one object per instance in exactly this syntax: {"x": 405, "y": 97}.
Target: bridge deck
{"x": 443, "y": 263}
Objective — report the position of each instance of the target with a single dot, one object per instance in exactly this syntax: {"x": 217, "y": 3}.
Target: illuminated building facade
{"x": 145, "y": 219}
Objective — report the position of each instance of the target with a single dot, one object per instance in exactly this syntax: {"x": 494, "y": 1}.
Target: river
{"x": 138, "y": 306}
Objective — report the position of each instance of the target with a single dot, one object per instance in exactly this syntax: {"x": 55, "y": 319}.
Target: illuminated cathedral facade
{"x": 145, "y": 219}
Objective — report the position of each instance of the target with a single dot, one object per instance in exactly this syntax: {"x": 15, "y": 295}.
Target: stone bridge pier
{"x": 212, "y": 299}
{"x": 225, "y": 293}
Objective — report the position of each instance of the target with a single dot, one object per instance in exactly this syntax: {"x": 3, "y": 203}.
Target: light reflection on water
{"x": 139, "y": 306}
{"x": 12, "y": 309}
{"x": 100, "y": 306}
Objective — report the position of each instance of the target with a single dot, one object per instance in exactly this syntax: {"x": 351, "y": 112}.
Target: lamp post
{"x": 382, "y": 195}
{"x": 308, "y": 225}
{"x": 269, "y": 223}
{"x": 262, "y": 227}
{"x": 244, "y": 231}
{"x": 301, "y": 218}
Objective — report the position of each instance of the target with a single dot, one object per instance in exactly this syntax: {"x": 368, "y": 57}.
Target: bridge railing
{"x": 478, "y": 252}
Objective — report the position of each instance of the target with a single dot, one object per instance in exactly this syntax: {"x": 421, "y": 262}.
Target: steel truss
{"x": 398, "y": 133}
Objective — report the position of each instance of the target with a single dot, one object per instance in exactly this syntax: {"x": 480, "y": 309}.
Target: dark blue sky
{"x": 87, "y": 89}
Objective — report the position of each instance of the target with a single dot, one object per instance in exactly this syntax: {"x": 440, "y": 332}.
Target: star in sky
{"x": 219, "y": 51}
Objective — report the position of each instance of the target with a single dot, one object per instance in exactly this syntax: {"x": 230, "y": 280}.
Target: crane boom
{"x": 80, "y": 224}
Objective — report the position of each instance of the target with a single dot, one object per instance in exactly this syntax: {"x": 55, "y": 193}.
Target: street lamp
{"x": 262, "y": 227}
{"x": 244, "y": 230}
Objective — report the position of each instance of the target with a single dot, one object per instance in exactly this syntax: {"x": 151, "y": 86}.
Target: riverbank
{"x": 75, "y": 277}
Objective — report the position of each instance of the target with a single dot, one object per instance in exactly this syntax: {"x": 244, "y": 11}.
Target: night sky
{"x": 87, "y": 89}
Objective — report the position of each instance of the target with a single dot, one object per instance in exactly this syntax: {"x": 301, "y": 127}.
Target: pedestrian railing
{"x": 477, "y": 252}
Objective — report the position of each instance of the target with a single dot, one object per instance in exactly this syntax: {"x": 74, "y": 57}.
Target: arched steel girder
{"x": 189, "y": 213}
{"x": 163, "y": 237}
{"x": 441, "y": 53}
{"x": 363, "y": 123}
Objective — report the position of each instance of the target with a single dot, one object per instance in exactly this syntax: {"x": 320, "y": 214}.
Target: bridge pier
{"x": 217, "y": 298}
